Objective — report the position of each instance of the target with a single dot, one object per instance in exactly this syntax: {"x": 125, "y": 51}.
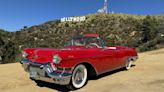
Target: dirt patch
{"x": 157, "y": 82}
{"x": 146, "y": 76}
{"x": 157, "y": 52}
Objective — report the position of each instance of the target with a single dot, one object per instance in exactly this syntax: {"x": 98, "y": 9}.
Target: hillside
{"x": 116, "y": 29}
{"x": 8, "y": 47}
{"x": 145, "y": 76}
{"x": 143, "y": 32}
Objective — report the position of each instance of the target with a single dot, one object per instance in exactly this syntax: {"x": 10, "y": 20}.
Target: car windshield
{"x": 85, "y": 41}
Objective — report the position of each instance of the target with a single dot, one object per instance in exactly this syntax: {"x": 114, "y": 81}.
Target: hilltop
{"x": 143, "y": 32}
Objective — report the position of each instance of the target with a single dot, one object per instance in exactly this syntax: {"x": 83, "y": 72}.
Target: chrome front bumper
{"x": 45, "y": 72}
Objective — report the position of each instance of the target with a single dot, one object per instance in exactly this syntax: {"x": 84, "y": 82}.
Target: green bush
{"x": 142, "y": 32}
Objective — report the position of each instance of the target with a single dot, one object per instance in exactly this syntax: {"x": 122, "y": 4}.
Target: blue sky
{"x": 14, "y": 14}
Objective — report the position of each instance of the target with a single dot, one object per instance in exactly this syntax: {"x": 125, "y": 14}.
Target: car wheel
{"x": 128, "y": 64}
{"x": 79, "y": 77}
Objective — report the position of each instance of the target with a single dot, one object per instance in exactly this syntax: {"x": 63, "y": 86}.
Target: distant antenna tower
{"x": 105, "y": 8}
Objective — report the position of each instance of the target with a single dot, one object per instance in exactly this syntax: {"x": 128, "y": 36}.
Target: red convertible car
{"x": 82, "y": 57}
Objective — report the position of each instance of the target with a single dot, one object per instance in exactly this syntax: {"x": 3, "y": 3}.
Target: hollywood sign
{"x": 73, "y": 19}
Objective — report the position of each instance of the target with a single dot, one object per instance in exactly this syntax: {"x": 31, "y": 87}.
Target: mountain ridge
{"x": 141, "y": 32}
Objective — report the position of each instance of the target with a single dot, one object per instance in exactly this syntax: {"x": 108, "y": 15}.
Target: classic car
{"x": 82, "y": 57}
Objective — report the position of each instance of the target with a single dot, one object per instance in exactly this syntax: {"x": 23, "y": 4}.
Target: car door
{"x": 109, "y": 60}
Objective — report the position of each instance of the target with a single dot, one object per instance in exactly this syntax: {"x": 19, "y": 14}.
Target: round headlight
{"x": 56, "y": 59}
{"x": 24, "y": 54}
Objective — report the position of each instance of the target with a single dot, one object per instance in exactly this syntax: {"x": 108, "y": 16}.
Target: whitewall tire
{"x": 79, "y": 77}
{"x": 128, "y": 64}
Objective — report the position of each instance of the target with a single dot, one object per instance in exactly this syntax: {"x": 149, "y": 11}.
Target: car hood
{"x": 45, "y": 55}
{"x": 40, "y": 55}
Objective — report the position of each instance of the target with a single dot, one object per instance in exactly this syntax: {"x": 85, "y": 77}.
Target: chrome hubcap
{"x": 79, "y": 76}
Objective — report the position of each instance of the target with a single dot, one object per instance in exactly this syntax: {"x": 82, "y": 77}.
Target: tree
{"x": 149, "y": 28}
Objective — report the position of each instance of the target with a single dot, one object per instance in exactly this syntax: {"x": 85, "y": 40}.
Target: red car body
{"x": 98, "y": 60}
